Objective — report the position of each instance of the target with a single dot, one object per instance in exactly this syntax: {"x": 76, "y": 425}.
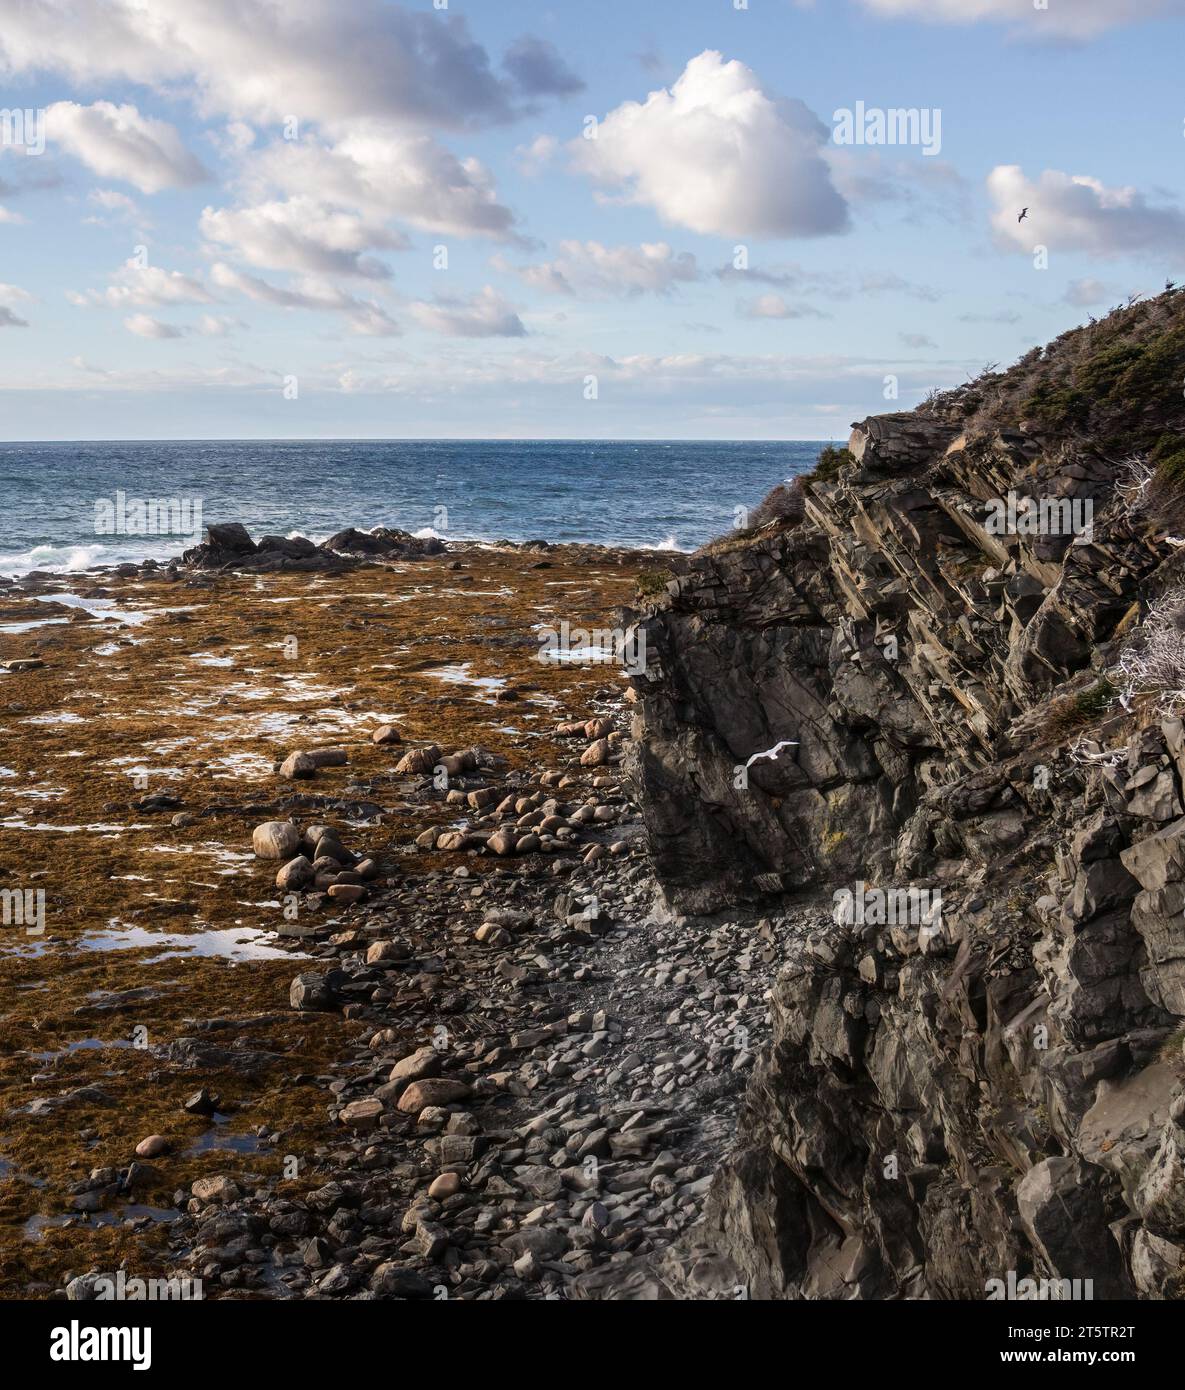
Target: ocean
{"x": 674, "y": 495}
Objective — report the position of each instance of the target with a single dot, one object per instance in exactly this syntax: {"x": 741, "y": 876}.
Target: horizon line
{"x": 418, "y": 439}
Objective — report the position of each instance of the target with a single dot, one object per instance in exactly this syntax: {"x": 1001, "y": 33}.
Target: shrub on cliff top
{"x": 1114, "y": 382}
{"x": 782, "y": 503}
{"x": 830, "y": 461}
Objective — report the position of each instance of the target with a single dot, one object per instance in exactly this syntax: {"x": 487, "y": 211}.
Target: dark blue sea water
{"x": 676, "y": 495}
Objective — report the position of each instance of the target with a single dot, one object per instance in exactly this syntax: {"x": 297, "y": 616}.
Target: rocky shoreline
{"x": 528, "y": 1070}
{"x": 838, "y": 955}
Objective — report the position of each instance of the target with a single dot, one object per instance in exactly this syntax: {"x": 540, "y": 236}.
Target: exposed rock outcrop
{"x": 230, "y": 547}
{"x": 912, "y": 689}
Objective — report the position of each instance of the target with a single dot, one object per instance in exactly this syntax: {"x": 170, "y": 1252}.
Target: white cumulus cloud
{"x": 716, "y": 154}
{"x": 1075, "y": 212}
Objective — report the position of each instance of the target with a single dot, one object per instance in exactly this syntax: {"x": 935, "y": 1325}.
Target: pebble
{"x": 445, "y": 1186}
{"x": 543, "y": 1078}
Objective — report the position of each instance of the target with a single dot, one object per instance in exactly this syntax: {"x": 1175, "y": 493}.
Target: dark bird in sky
{"x": 1023, "y": 215}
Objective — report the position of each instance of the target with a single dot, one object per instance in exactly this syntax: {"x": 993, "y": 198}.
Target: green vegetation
{"x": 1072, "y": 712}
{"x": 829, "y": 464}
{"x": 653, "y": 582}
{"x": 1168, "y": 454}
{"x": 1117, "y": 380}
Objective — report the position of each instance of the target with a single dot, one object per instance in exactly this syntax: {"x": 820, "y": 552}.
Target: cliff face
{"x": 991, "y": 1082}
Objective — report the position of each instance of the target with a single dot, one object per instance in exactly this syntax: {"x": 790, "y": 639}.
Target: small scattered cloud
{"x": 363, "y": 316}
{"x": 831, "y": 284}
{"x": 483, "y": 315}
{"x": 921, "y": 188}
{"x": 917, "y": 341}
{"x": 10, "y": 296}
{"x": 532, "y": 159}
{"x": 117, "y": 142}
{"x": 302, "y": 234}
{"x": 114, "y": 208}
{"x": 147, "y": 287}
{"x": 1086, "y": 292}
{"x": 1000, "y": 316}
{"x": 1076, "y": 19}
{"x": 589, "y": 269}
{"x": 537, "y": 69}
{"x": 218, "y": 325}
{"x": 773, "y": 306}
{"x": 144, "y": 326}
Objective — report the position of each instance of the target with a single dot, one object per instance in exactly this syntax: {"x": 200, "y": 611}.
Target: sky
{"x": 500, "y": 219}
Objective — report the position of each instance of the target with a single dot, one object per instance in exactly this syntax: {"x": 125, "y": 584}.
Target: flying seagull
{"x": 772, "y": 753}
{"x": 1023, "y": 215}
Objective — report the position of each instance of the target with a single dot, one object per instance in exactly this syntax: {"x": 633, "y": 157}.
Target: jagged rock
{"x": 1059, "y": 1207}
{"x": 893, "y": 691}
{"x": 1158, "y": 859}
{"x": 314, "y": 991}
{"x": 382, "y": 542}
{"x": 419, "y": 760}
{"x": 224, "y": 545}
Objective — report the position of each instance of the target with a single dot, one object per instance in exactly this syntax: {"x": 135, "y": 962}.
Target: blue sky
{"x": 239, "y": 221}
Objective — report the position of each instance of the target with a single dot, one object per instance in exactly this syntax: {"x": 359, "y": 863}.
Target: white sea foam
{"x": 70, "y": 559}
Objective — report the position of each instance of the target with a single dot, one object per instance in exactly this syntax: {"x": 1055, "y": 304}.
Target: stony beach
{"x": 353, "y": 980}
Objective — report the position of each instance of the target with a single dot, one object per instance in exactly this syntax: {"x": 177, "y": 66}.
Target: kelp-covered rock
{"x": 230, "y": 547}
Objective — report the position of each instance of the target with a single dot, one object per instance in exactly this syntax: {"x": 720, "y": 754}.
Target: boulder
{"x": 421, "y": 1064}
{"x": 295, "y": 875}
{"x": 275, "y": 839}
{"x": 433, "y": 1091}
{"x": 316, "y": 991}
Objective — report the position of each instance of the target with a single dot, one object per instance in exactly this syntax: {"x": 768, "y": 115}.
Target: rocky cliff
{"x": 929, "y": 685}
